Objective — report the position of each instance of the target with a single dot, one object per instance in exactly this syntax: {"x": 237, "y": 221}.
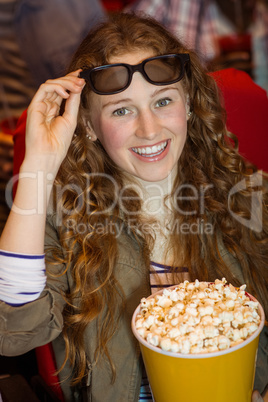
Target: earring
{"x": 88, "y": 137}
{"x": 189, "y": 114}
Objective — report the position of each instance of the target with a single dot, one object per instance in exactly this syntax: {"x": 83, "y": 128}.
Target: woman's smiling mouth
{"x": 149, "y": 152}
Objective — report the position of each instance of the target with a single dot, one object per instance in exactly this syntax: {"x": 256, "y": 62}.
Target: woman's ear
{"x": 90, "y": 132}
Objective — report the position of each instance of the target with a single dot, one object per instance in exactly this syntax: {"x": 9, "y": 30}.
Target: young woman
{"x": 131, "y": 182}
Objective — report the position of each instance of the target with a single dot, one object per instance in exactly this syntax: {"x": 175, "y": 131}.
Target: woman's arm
{"x": 29, "y": 325}
{"x": 48, "y": 137}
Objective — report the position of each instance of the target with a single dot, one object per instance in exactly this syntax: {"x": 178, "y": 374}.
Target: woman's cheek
{"x": 112, "y": 134}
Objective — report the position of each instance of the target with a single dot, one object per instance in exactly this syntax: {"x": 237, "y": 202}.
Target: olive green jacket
{"x": 39, "y": 322}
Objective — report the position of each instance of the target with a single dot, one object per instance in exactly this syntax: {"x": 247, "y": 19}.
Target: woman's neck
{"x": 155, "y": 193}
{"x": 156, "y": 207}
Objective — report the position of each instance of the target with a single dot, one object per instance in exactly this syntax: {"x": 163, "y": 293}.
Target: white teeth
{"x": 152, "y": 151}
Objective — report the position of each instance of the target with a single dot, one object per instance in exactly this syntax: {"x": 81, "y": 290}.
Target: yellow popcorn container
{"x": 221, "y": 376}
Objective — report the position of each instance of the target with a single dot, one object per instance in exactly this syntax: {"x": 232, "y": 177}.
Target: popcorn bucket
{"x": 221, "y": 376}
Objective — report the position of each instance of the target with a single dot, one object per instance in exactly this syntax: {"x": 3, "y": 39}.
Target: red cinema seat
{"x": 247, "y": 114}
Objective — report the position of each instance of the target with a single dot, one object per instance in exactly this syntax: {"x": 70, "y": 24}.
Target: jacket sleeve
{"x": 36, "y": 323}
{"x": 261, "y": 376}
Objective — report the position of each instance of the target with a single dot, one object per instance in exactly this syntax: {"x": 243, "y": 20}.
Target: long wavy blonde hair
{"x": 209, "y": 160}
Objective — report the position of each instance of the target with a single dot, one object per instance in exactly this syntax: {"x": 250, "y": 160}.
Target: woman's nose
{"x": 148, "y": 125}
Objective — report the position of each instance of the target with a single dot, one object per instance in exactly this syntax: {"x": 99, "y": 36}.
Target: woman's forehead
{"x": 132, "y": 57}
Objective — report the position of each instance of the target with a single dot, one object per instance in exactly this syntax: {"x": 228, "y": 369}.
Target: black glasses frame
{"x": 183, "y": 58}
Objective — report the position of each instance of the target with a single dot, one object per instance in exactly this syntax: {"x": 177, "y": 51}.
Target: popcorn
{"x": 153, "y": 339}
{"x": 198, "y": 317}
{"x": 165, "y": 344}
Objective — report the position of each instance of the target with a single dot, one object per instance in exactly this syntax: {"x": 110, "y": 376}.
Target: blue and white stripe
{"x": 22, "y": 277}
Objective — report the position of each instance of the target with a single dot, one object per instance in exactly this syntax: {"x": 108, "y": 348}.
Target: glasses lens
{"x": 110, "y": 79}
{"x": 163, "y": 70}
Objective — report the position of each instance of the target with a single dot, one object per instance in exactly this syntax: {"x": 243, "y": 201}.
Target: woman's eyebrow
{"x": 116, "y": 102}
{"x": 159, "y": 91}
{"x": 124, "y": 100}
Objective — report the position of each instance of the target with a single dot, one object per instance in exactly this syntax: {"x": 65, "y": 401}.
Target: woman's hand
{"x": 48, "y": 135}
{"x": 256, "y": 397}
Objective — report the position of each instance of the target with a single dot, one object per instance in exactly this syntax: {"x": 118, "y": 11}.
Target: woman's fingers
{"x": 47, "y": 131}
{"x": 256, "y": 397}
{"x": 60, "y": 87}
{"x": 72, "y": 106}
{"x": 50, "y": 95}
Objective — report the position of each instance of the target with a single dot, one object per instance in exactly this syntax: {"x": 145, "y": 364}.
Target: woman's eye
{"x": 163, "y": 102}
{"x": 121, "y": 112}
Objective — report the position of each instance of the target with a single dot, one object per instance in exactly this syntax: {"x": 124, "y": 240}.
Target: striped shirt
{"x": 161, "y": 276}
{"x": 22, "y": 277}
